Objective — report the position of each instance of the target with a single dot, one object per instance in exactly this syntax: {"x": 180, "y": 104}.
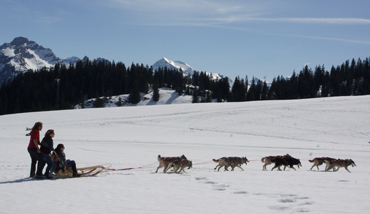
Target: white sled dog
{"x": 339, "y": 163}
{"x": 180, "y": 165}
{"x": 165, "y": 161}
{"x": 230, "y": 161}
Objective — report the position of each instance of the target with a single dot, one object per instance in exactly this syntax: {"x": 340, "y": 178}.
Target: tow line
{"x": 207, "y": 162}
{"x": 150, "y": 165}
{"x": 112, "y": 170}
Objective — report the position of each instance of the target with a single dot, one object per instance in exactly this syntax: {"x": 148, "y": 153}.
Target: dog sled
{"x": 83, "y": 172}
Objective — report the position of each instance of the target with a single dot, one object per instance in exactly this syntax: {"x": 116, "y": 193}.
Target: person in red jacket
{"x": 33, "y": 146}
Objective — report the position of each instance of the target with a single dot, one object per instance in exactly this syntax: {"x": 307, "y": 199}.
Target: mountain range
{"x": 23, "y": 55}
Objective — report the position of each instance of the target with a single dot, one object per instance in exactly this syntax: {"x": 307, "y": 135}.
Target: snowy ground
{"x": 133, "y": 137}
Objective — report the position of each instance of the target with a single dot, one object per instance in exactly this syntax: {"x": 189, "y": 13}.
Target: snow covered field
{"x": 337, "y": 127}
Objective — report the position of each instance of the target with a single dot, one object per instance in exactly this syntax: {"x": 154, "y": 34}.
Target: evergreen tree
{"x": 98, "y": 103}
{"x": 252, "y": 91}
{"x": 208, "y": 97}
{"x": 238, "y": 90}
{"x": 119, "y": 103}
{"x": 264, "y": 91}
{"x": 135, "y": 96}
{"x": 195, "y": 96}
{"x": 155, "y": 91}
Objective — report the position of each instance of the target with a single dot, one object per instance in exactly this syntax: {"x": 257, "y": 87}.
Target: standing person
{"x": 47, "y": 145}
{"x": 33, "y": 146}
{"x": 63, "y": 163}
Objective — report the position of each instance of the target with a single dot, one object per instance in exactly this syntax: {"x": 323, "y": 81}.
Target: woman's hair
{"x": 50, "y": 131}
{"x": 57, "y": 150}
{"x": 36, "y": 126}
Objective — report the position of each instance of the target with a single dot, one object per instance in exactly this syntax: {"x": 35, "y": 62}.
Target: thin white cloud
{"x": 255, "y": 18}
{"x": 347, "y": 21}
{"x": 335, "y": 39}
{"x": 210, "y": 12}
{"x": 170, "y": 6}
{"x": 232, "y": 14}
{"x": 186, "y": 12}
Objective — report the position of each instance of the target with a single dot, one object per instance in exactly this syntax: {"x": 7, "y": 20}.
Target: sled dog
{"x": 319, "y": 161}
{"x": 271, "y": 159}
{"x": 165, "y": 161}
{"x": 179, "y": 165}
{"x": 237, "y": 162}
{"x": 339, "y": 163}
{"x": 230, "y": 161}
{"x": 221, "y": 162}
{"x": 287, "y": 162}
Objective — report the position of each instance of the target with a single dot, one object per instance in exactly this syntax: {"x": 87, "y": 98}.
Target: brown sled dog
{"x": 179, "y": 165}
{"x": 319, "y": 161}
{"x": 230, "y": 161}
{"x": 339, "y": 163}
{"x": 271, "y": 159}
{"x": 165, "y": 161}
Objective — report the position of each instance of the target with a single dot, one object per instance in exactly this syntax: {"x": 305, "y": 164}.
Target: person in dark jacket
{"x": 33, "y": 146}
{"x": 47, "y": 145}
{"x": 63, "y": 163}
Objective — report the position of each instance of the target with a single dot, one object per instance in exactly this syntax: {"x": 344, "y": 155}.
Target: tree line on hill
{"x": 349, "y": 78}
{"x": 62, "y": 87}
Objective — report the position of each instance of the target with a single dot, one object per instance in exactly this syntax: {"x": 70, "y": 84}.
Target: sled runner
{"x": 84, "y": 172}
{"x": 90, "y": 171}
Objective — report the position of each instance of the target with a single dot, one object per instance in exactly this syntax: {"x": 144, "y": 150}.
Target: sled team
{"x": 40, "y": 153}
{"x": 179, "y": 163}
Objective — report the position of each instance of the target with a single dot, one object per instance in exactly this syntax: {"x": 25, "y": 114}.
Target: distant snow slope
{"x": 133, "y": 137}
{"x": 166, "y": 96}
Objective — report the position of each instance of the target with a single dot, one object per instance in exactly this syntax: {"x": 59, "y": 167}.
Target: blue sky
{"x": 234, "y": 37}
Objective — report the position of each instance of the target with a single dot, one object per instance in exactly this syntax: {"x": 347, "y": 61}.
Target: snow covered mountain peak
{"x": 165, "y": 59}
{"x": 18, "y": 41}
{"x": 187, "y": 69}
{"x": 22, "y": 55}
{"x": 176, "y": 65}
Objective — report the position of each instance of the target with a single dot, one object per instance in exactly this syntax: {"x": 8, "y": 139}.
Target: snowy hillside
{"x": 132, "y": 137}
{"x": 166, "y": 96}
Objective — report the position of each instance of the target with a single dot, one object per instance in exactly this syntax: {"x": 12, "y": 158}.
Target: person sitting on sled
{"x": 63, "y": 163}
